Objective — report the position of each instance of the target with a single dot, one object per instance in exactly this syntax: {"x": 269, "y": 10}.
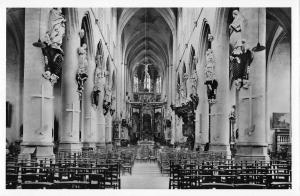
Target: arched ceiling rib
{"x": 146, "y": 33}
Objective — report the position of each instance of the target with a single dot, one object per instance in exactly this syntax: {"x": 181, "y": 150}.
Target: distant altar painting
{"x": 281, "y": 121}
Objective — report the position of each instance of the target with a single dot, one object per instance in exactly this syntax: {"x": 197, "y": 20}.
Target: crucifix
{"x": 42, "y": 97}
{"x": 72, "y": 110}
{"x": 251, "y": 126}
{"x": 91, "y": 123}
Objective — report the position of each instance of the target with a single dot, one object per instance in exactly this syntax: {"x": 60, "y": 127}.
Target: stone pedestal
{"x": 38, "y": 95}
{"x": 252, "y": 143}
{"x": 69, "y": 131}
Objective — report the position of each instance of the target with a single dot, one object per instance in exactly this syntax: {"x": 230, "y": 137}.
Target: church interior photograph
{"x": 148, "y": 98}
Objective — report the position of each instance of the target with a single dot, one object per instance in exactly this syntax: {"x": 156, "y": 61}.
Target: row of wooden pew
{"x": 70, "y": 171}
{"x": 230, "y": 174}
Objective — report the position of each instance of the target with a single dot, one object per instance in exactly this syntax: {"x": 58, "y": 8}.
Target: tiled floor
{"x": 145, "y": 176}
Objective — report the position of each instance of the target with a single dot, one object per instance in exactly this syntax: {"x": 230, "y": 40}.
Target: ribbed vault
{"x": 146, "y": 38}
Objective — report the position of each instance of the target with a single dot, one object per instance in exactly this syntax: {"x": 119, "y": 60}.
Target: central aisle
{"x": 145, "y": 176}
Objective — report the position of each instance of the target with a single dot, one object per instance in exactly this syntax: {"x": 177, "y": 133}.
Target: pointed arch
{"x": 205, "y": 44}
{"x": 88, "y": 34}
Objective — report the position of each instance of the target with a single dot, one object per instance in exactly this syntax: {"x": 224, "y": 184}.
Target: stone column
{"x": 100, "y": 129}
{"x": 219, "y": 113}
{"x": 89, "y": 131}
{"x": 69, "y": 132}
{"x": 108, "y": 131}
{"x": 197, "y": 129}
{"x": 252, "y": 143}
{"x": 38, "y": 93}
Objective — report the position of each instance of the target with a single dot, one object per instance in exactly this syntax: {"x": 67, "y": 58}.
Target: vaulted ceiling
{"x": 147, "y": 38}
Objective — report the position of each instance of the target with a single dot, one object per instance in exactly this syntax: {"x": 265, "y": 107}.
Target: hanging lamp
{"x": 258, "y": 47}
{"x": 39, "y": 43}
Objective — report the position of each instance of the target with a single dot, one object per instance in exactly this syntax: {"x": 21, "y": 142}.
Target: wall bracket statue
{"x": 210, "y": 76}
{"x": 107, "y": 100}
{"x": 95, "y": 96}
{"x": 51, "y": 46}
{"x": 82, "y": 74}
{"x": 240, "y": 55}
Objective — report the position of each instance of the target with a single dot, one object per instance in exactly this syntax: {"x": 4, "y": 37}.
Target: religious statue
{"x": 95, "y": 96}
{"x": 51, "y": 47}
{"x": 127, "y": 98}
{"x": 113, "y": 105}
{"x": 194, "y": 79}
{"x": 183, "y": 88}
{"x": 147, "y": 78}
{"x": 99, "y": 71}
{"x": 99, "y": 80}
{"x": 210, "y": 73}
{"x": 240, "y": 56}
{"x": 235, "y": 29}
{"x": 177, "y": 100}
{"x": 107, "y": 99}
{"x": 82, "y": 74}
{"x": 210, "y": 76}
{"x": 182, "y": 93}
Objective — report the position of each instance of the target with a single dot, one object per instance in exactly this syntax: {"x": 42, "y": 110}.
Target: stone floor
{"x": 145, "y": 175}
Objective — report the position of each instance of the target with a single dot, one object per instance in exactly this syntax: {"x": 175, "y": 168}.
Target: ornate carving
{"x": 95, "y": 96}
{"x": 99, "y": 79}
{"x": 194, "y": 80}
{"x": 82, "y": 74}
{"x": 185, "y": 108}
{"x": 107, "y": 99}
{"x": 240, "y": 56}
{"x": 53, "y": 54}
{"x": 113, "y": 105}
{"x": 210, "y": 76}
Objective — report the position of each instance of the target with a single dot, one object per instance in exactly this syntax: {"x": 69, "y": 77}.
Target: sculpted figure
{"x": 235, "y": 29}
{"x": 107, "y": 99}
{"x": 210, "y": 76}
{"x": 95, "y": 96}
{"x": 81, "y": 75}
{"x": 210, "y": 66}
{"x": 194, "y": 79}
{"x": 51, "y": 48}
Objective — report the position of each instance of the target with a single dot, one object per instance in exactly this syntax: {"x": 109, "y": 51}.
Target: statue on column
{"x": 95, "y": 96}
{"x": 183, "y": 88}
{"x": 113, "y": 105}
{"x": 51, "y": 47}
{"x": 240, "y": 56}
{"x": 194, "y": 77}
{"x": 178, "y": 93}
{"x": 99, "y": 81}
{"x": 107, "y": 99}
{"x": 210, "y": 76}
{"x": 82, "y": 74}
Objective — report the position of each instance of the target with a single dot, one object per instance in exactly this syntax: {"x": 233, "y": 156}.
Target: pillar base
{"x": 87, "y": 146}
{"x": 109, "y": 146}
{"x": 36, "y": 150}
{"x": 100, "y": 146}
{"x": 72, "y": 147}
{"x": 220, "y": 148}
{"x": 251, "y": 152}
